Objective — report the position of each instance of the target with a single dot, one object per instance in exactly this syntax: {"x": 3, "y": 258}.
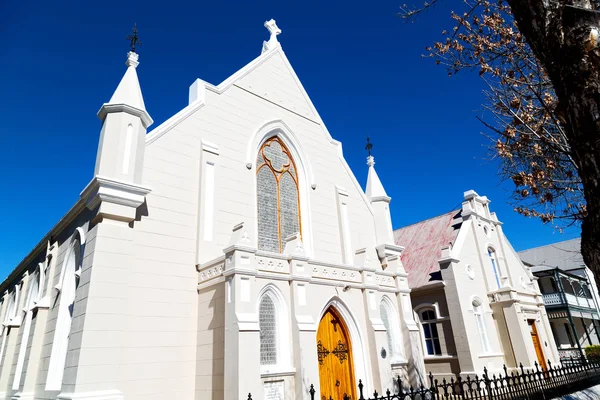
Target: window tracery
{"x": 277, "y": 195}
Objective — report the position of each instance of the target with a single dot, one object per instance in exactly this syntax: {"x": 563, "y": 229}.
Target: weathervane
{"x": 369, "y": 145}
{"x": 134, "y": 39}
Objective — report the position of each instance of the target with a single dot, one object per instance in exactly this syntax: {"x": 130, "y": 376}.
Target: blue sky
{"x": 362, "y": 67}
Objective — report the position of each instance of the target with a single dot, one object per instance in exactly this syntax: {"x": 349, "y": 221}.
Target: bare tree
{"x": 540, "y": 62}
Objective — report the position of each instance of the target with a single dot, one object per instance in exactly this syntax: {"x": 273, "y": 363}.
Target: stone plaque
{"x": 274, "y": 390}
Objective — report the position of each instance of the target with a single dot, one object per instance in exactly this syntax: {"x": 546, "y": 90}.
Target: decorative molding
{"x": 107, "y": 190}
{"x": 210, "y": 147}
{"x": 98, "y": 395}
{"x": 125, "y": 108}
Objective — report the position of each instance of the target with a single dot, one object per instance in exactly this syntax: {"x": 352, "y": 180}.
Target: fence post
{"x": 360, "y": 389}
{"x": 312, "y": 392}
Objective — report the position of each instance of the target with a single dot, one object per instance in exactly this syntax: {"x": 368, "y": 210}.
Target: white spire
{"x": 128, "y": 94}
{"x": 274, "y": 30}
{"x": 375, "y": 190}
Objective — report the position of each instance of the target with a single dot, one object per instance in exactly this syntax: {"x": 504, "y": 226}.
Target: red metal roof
{"x": 423, "y": 244}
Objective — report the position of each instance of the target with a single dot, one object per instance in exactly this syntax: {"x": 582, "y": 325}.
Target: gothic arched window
{"x": 277, "y": 195}
{"x": 483, "y": 337}
{"x": 495, "y": 266}
{"x": 391, "y": 323}
{"x": 267, "y": 321}
{"x": 67, "y": 287}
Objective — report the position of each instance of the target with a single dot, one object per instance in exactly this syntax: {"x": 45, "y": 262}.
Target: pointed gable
{"x": 423, "y": 243}
{"x": 275, "y": 80}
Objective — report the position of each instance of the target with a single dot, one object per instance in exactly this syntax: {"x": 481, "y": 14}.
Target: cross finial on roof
{"x": 134, "y": 39}
{"x": 274, "y": 30}
{"x": 369, "y": 145}
{"x": 272, "y": 43}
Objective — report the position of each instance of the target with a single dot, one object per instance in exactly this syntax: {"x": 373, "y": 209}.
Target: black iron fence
{"x": 532, "y": 384}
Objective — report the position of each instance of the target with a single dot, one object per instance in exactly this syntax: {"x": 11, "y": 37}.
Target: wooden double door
{"x": 334, "y": 350}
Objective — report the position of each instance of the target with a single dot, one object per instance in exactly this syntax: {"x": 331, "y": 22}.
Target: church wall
{"x": 79, "y": 310}
{"x": 229, "y": 121}
{"x": 465, "y": 289}
{"x": 210, "y": 342}
{"x": 472, "y": 277}
{"x": 40, "y": 338}
{"x": 162, "y": 299}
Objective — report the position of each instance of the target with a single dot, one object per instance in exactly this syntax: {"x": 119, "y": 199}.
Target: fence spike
{"x": 388, "y": 393}
{"x": 375, "y": 395}
{"x": 312, "y": 392}
{"x": 360, "y": 389}
{"x": 249, "y": 396}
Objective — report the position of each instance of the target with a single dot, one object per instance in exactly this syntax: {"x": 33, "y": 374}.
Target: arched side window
{"x": 9, "y": 315}
{"x": 267, "y": 320}
{"x": 495, "y": 266}
{"x": 30, "y": 302}
{"x": 11, "y": 308}
{"x": 391, "y": 323}
{"x": 430, "y": 332}
{"x": 478, "y": 312}
{"x": 277, "y": 195}
{"x": 67, "y": 287}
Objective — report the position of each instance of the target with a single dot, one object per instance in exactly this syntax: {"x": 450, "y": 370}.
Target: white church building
{"x": 230, "y": 250}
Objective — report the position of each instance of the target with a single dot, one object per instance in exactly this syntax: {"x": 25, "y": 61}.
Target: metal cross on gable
{"x": 369, "y": 145}
{"x": 134, "y": 39}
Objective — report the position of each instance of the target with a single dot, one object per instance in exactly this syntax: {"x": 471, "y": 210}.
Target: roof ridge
{"x": 425, "y": 220}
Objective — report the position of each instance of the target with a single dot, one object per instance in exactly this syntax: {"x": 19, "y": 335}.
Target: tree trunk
{"x": 564, "y": 37}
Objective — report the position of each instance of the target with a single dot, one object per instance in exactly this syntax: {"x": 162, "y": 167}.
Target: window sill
{"x": 399, "y": 362}
{"x": 441, "y": 357}
{"x": 490, "y": 355}
{"x": 277, "y": 372}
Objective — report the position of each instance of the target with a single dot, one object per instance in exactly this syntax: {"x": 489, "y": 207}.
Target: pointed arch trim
{"x": 282, "y": 320}
{"x": 362, "y": 367}
{"x": 305, "y": 177}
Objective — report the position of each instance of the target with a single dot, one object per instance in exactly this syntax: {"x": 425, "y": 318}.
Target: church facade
{"x": 477, "y": 305}
{"x": 229, "y": 251}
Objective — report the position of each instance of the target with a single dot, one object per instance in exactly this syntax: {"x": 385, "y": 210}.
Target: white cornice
{"x": 107, "y": 190}
{"x": 117, "y": 108}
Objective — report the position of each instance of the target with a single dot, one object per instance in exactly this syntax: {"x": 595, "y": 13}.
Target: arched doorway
{"x": 334, "y": 350}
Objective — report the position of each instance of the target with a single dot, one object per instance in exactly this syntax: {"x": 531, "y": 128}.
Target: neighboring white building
{"x": 477, "y": 304}
{"x": 570, "y": 293}
{"x": 229, "y": 251}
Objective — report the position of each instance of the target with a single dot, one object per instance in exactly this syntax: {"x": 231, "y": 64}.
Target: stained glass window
{"x": 277, "y": 191}
{"x": 267, "y": 320}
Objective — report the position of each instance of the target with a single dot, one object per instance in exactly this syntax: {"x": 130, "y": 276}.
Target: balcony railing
{"x": 563, "y": 299}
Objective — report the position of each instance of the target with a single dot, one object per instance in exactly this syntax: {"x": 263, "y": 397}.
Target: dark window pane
{"x": 427, "y": 331}
{"x": 429, "y": 347}
{"x": 434, "y": 332}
